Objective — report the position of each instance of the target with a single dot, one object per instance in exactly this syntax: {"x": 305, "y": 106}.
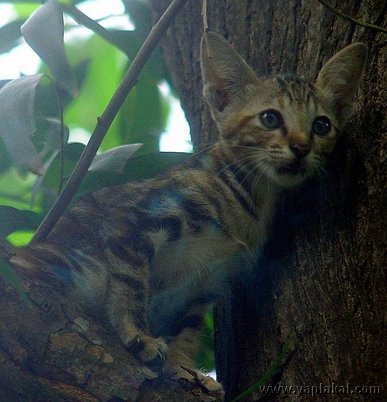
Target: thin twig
{"x": 61, "y": 137}
{"x": 106, "y": 120}
{"x": 348, "y": 18}
{"x": 204, "y": 16}
{"x": 91, "y": 24}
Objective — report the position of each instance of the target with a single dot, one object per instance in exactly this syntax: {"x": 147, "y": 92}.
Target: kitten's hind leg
{"x": 127, "y": 315}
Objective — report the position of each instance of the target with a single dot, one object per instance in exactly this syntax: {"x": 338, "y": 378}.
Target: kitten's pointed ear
{"x": 339, "y": 77}
{"x": 226, "y": 76}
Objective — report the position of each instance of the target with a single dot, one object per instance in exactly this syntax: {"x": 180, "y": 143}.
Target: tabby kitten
{"x": 152, "y": 255}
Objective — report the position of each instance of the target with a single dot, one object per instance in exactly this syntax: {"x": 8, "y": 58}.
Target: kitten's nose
{"x": 300, "y": 150}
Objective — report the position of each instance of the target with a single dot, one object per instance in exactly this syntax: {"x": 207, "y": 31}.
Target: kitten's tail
{"x": 65, "y": 270}
{"x": 43, "y": 262}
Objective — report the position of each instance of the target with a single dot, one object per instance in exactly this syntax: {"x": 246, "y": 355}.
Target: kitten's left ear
{"x": 226, "y": 76}
{"x": 339, "y": 77}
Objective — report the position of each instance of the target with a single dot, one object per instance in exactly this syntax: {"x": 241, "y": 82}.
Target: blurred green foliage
{"x": 30, "y": 133}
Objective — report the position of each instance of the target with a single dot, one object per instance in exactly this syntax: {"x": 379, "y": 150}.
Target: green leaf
{"x": 206, "y": 358}
{"x": 114, "y": 159}
{"x": 139, "y": 167}
{"x": 10, "y": 35}
{"x": 20, "y": 238}
{"x": 14, "y": 191}
{"x": 17, "y": 121}
{"x": 25, "y": 8}
{"x": 139, "y": 12}
{"x": 104, "y": 72}
{"x": 13, "y": 219}
{"x": 44, "y": 31}
{"x": 72, "y": 153}
{"x": 126, "y": 41}
{"x": 143, "y": 116}
{"x": 146, "y": 166}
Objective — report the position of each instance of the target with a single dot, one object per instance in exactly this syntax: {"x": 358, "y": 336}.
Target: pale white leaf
{"x": 17, "y": 121}
{"x": 114, "y": 159}
{"x": 44, "y": 32}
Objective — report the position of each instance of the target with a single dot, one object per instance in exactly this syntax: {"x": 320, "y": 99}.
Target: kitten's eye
{"x": 321, "y": 125}
{"x": 271, "y": 119}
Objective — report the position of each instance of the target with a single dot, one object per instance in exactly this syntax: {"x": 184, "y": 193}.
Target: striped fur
{"x": 151, "y": 256}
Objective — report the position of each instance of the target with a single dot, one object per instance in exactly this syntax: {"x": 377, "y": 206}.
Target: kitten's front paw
{"x": 147, "y": 348}
{"x": 204, "y": 381}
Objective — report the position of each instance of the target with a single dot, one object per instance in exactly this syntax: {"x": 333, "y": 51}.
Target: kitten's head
{"x": 283, "y": 126}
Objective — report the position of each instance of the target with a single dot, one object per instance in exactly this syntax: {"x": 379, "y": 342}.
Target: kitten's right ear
{"x": 339, "y": 78}
{"x": 226, "y": 76}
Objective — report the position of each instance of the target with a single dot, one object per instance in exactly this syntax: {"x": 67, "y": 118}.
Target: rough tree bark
{"x": 321, "y": 287}
{"x": 51, "y": 351}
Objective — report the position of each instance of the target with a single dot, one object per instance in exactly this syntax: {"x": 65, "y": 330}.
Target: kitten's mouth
{"x": 294, "y": 168}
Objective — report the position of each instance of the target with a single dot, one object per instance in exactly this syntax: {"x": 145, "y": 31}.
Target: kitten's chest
{"x": 240, "y": 235}
{"x": 251, "y": 229}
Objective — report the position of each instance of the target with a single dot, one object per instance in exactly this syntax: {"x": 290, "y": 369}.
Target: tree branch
{"x": 106, "y": 120}
{"x": 89, "y": 23}
{"x": 348, "y": 18}
{"x": 204, "y": 16}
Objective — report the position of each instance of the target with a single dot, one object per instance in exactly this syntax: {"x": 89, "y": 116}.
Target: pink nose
{"x": 300, "y": 150}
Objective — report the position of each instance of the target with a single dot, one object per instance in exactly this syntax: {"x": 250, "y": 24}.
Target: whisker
{"x": 202, "y": 150}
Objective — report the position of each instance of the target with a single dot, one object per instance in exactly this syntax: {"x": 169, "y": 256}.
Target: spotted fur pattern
{"x": 148, "y": 257}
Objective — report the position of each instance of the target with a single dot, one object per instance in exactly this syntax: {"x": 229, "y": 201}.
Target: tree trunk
{"x": 319, "y": 293}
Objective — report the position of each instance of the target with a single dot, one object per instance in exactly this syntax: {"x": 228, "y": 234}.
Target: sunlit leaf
{"x": 44, "y": 31}
{"x": 24, "y": 9}
{"x": 17, "y": 121}
{"x": 20, "y": 237}
{"x": 104, "y": 72}
{"x": 115, "y": 159}
{"x": 206, "y": 358}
